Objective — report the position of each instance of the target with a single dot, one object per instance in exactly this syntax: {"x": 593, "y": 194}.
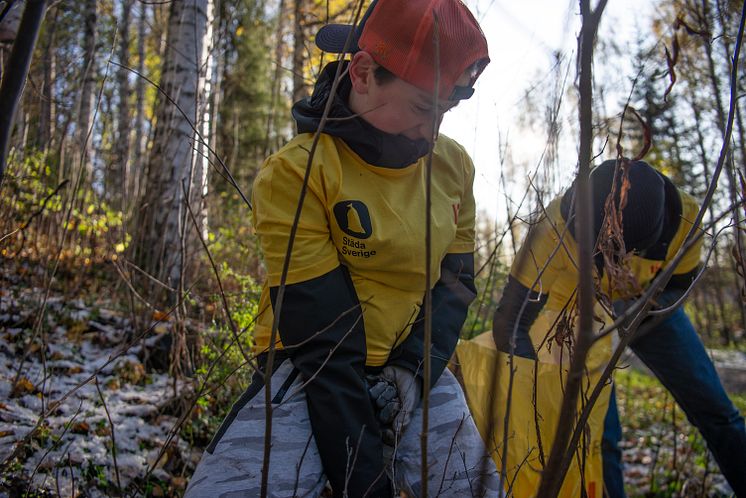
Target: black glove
{"x": 385, "y": 398}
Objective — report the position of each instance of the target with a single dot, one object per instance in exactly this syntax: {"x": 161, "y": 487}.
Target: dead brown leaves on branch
{"x": 672, "y": 56}
{"x": 647, "y": 135}
{"x": 565, "y": 330}
{"x": 610, "y": 243}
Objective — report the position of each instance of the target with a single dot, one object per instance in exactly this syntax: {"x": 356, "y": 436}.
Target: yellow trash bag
{"x": 530, "y": 431}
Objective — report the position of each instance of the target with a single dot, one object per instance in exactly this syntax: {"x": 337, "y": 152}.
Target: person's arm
{"x": 689, "y": 265}
{"x": 538, "y": 263}
{"x": 451, "y": 297}
{"x": 515, "y": 313}
{"x": 321, "y": 327}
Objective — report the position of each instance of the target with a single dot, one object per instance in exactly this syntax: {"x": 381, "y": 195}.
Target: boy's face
{"x": 400, "y": 108}
{"x": 396, "y": 106}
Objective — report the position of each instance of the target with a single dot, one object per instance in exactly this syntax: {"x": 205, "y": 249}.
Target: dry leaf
{"x": 160, "y": 316}
{"x": 22, "y": 387}
{"x": 80, "y": 428}
{"x": 103, "y": 431}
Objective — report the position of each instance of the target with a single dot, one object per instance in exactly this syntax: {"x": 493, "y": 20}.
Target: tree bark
{"x": 165, "y": 230}
{"x": 87, "y": 93}
{"x": 138, "y": 158}
{"x": 47, "y": 94}
{"x": 206, "y": 82}
{"x": 13, "y": 80}
{"x": 299, "y": 53}
{"x": 120, "y": 166}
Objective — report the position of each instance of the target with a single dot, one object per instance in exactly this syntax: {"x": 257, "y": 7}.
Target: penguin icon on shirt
{"x": 353, "y": 218}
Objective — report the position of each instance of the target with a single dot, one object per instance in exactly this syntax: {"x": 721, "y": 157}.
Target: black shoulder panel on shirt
{"x": 513, "y": 318}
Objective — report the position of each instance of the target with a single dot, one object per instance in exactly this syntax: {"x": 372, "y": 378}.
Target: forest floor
{"x": 98, "y": 395}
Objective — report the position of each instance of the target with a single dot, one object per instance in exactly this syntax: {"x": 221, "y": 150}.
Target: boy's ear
{"x": 362, "y": 67}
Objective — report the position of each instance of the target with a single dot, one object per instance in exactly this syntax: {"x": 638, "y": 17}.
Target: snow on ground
{"x": 74, "y": 443}
{"x": 71, "y": 453}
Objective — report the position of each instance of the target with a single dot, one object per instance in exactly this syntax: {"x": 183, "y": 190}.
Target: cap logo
{"x": 382, "y": 50}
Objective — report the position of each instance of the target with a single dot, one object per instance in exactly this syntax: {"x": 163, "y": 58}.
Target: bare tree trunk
{"x": 8, "y": 29}
{"x": 161, "y": 250}
{"x": 138, "y": 159}
{"x": 46, "y": 97}
{"x": 13, "y": 80}
{"x": 87, "y": 93}
{"x": 556, "y": 468}
{"x": 277, "y": 77}
{"x": 206, "y": 80}
{"x": 721, "y": 120}
{"x": 299, "y": 53}
{"x": 120, "y": 166}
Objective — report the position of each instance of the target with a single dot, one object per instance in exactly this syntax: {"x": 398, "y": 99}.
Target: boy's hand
{"x": 410, "y": 393}
{"x": 385, "y": 398}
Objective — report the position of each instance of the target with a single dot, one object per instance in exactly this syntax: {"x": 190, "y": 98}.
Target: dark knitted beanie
{"x": 643, "y": 216}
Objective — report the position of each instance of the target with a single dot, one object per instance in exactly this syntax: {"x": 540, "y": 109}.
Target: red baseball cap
{"x": 398, "y": 34}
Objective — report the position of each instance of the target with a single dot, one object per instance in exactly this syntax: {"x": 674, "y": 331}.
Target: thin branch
{"x": 286, "y": 265}
{"x": 231, "y": 323}
{"x": 690, "y": 239}
{"x": 553, "y": 475}
{"x": 113, "y": 436}
{"x": 428, "y": 304}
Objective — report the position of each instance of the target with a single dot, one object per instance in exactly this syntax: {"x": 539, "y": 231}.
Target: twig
{"x": 553, "y": 475}
{"x": 49, "y": 450}
{"x": 450, "y": 452}
{"x": 38, "y": 212}
{"x": 231, "y": 323}
{"x": 428, "y": 302}
{"x": 286, "y": 266}
{"x": 113, "y": 437}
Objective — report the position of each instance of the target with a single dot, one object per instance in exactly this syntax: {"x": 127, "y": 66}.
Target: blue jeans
{"x": 675, "y": 354}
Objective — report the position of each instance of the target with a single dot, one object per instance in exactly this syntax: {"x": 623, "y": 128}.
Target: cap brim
{"x": 332, "y": 38}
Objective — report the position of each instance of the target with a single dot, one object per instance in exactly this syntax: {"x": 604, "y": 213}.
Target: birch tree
{"x": 11, "y": 19}
{"x": 122, "y": 145}
{"x": 87, "y": 93}
{"x": 173, "y": 177}
{"x": 138, "y": 156}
